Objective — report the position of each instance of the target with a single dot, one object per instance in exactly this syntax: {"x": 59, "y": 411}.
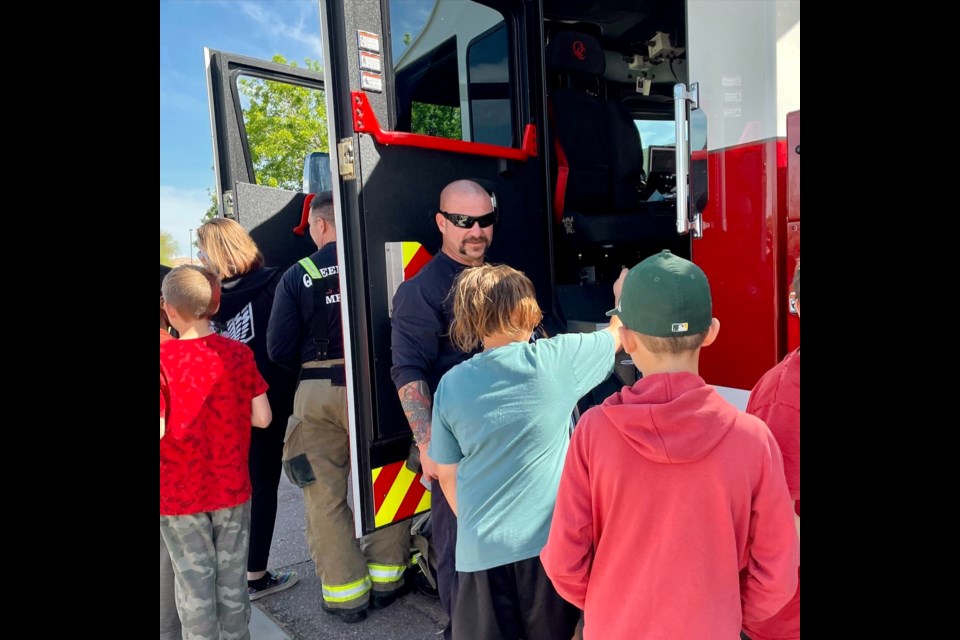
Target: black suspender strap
{"x": 320, "y": 326}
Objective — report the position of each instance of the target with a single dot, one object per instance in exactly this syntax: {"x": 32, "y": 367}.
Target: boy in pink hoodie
{"x": 673, "y": 519}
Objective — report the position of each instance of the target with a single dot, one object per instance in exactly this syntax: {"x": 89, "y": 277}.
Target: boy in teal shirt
{"x": 500, "y": 437}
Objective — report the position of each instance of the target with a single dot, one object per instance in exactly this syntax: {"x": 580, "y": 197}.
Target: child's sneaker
{"x": 271, "y": 583}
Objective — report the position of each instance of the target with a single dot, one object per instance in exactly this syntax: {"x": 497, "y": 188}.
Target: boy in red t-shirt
{"x": 164, "y": 336}
{"x": 169, "y": 619}
{"x": 214, "y": 394}
{"x": 776, "y": 401}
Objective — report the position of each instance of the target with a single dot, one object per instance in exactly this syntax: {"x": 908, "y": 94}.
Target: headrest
{"x": 575, "y": 52}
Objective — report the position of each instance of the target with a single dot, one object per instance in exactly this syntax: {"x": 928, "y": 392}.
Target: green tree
{"x": 211, "y": 212}
{"x": 168, "y": 248}
{"x": 284, "y": 123}
{"x": 436, "y": 120}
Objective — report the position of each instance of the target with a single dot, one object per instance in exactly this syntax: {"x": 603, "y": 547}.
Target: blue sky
{"x": 253, "y": 28}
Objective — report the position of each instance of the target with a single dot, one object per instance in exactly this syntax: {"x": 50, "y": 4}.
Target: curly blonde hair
{"x": 229, "y": 249}
{"x": 492, "y": 299}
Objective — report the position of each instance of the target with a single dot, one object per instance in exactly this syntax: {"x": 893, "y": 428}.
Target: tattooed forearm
{"x": 417, "y": 406}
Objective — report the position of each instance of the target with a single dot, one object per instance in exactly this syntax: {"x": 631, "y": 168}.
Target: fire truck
{"x": 605, "y": 131}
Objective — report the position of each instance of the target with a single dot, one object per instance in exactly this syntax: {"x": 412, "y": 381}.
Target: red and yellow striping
{"x": 414, "y": 257}
{"x": 397, "y": 491}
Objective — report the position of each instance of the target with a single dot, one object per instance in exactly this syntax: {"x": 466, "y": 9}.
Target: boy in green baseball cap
{"x": 672, "y": 503}
{"x": 668, "y": 313}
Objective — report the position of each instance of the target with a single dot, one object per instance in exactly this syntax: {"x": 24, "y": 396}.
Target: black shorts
{"x": 514, "y": 601}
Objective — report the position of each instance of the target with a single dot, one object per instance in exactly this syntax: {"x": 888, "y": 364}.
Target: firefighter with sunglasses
{"x": 422, "y": 351}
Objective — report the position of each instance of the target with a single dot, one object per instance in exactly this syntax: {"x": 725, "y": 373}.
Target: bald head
{"x": 466, "y": 193}
{"x": 465, "y": 198}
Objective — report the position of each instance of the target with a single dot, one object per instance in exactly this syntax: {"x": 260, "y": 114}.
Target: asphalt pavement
{"x": 295, "y": 614}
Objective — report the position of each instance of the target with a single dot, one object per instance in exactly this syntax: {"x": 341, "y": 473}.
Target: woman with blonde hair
{"x": 247, "y": 294}
{"x": 500, "y": 435}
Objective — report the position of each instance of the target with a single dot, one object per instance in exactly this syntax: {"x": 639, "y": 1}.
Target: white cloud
{"x": 306, "y": 32}
{"x": 180, "y": 211}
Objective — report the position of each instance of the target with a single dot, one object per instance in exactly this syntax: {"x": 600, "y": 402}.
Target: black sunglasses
{"x": 463, "y": 221}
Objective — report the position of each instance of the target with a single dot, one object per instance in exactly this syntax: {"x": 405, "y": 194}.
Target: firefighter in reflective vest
{"x": 305, "y": 332}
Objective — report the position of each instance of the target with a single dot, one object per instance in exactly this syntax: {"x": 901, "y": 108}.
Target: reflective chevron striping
{"x": 397, "y": 494}
{"x": 424, "y": 503}
{"x": 383, "y": 484}
{"x": 414, "y": 257}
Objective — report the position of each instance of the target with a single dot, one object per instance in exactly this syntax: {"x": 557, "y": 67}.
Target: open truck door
{"x": 407, "y": 119}
{"x": 275, "y": 217}
{"x": 269, "y": 213}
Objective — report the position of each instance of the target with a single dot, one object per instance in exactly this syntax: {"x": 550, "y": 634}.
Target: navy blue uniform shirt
{"x": 420, "y": 327}
{"x": 290, "y": 339}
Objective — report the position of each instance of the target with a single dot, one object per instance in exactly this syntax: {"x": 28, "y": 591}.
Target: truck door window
{"x": 489, "y": 87}
{"x": 283, "y": 124}
{"x": 451, "y": 71}
{"x": 656, "y": 133}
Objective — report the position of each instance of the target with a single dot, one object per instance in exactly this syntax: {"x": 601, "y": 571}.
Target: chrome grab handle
{"x": 682, "y": 152}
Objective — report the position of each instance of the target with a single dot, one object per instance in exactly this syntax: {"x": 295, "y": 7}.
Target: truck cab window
{"x": 451, "y": 71}
{"x": 655, "y": 133}
{"x": 283, "y": 125}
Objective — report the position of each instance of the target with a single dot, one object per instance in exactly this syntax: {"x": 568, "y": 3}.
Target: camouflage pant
{"x": 169, "y": 619}
{"x": 209, "y": 554}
